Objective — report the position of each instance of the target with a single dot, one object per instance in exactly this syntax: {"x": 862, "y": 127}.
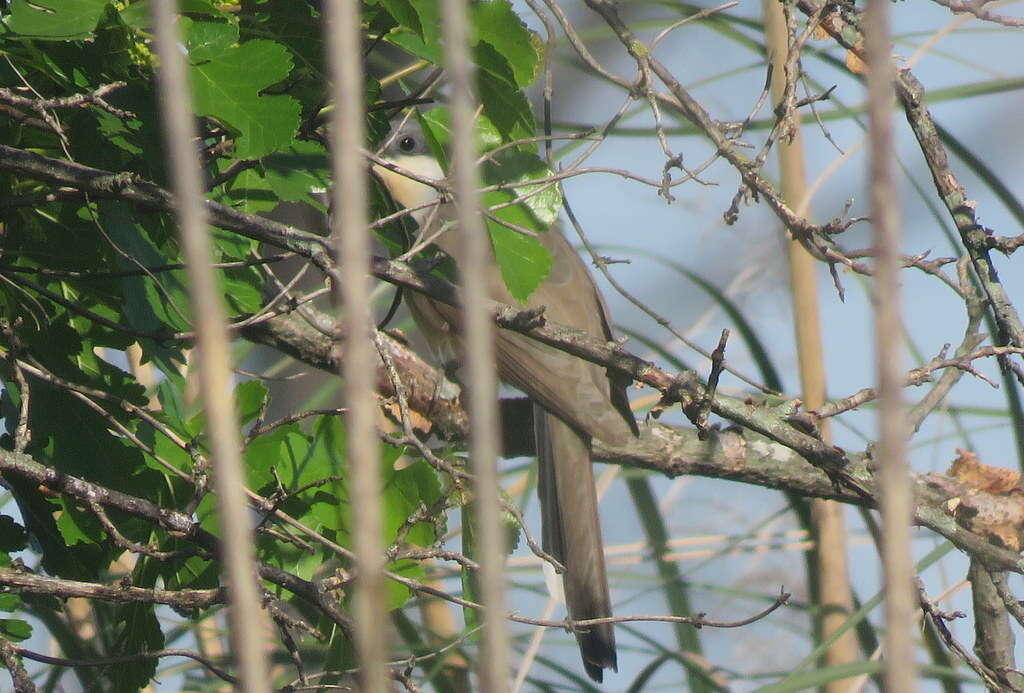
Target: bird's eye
{"x": 407, "y": 144}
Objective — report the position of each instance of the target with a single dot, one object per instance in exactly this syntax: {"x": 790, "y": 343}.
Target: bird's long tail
{"x": 572, "y": 533}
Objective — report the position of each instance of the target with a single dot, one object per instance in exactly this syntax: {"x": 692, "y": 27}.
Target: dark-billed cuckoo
{"x": 574, "y": 400}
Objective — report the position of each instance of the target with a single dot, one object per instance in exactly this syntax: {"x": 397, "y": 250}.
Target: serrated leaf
{"x": 228, "y": 87}
{"x": 296, "y": 25}
{"x": 55, "y": 19}
{"x": 405, "y": 490}
{"x": 505, "y": 105}
{"x": 524, "y": 261}
{"x": 497, "y": 24}
{"x": 511, "y": 525}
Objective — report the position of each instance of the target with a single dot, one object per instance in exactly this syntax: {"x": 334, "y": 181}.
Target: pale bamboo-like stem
{"x": 831, "y": 555}
{"x": 895, "y": 504}
{"x": 479, "y": 345}
{"x": 245, "y": 614}
{"x": 351, "y": 235}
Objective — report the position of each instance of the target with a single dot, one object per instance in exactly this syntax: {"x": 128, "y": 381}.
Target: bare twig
{"x": 977, "y": 8}
{"x": 92, "y": 98}
{"x": 939, "y": 619}
{"x": 128, "y": 659}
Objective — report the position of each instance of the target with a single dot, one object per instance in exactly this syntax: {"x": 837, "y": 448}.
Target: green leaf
{"x": 296, "y": 170}
{"x": 502, "y": 99}
{"x": 207, "y": 40}
{"x": 156, "y": 303}
{"x": 544, "y": 200}
{"x": 505, "y": 51}
{"x": 192, "y": 573}
{"x": 407, "y": 16}
{"x": 250, "y": 191}
{"x": 405, "y": 489}
{"x": 419, "y": 38}
{"x": 524, "y": 262}
{"x": 251, "y": 398}
{"x": 240, "y": 290}
{"x": 227, "y": 88}
{"x": 15, "y": 629}
{"x": 171, "y": 394}
{"x": 437, "y": 127}
{"x": 297, "y": 26}
{"x": 497, "y": 24}
{"x": 511, "y": 526}
{"x": 55, "y": 19}
{"x": 326, "y": 458}
{"x": 285, "y": 450}
{"x": 138, "y": 630}
{"x": 233, "y": 246}
{"x": 78, "y": 527}
{"x": 137, "y": 15}
{"x": 469, "y": 578}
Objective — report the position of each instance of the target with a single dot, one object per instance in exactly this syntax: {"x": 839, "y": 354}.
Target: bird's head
{"x": 406, "y": 147}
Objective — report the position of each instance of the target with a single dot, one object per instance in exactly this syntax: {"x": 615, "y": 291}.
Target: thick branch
{"x": 132, "y": 188}
{"x": 172, "y": 520}
{"x": 737, "y": 456}
{"x": 25, "y": 582}
{"x": 993, "y": 637}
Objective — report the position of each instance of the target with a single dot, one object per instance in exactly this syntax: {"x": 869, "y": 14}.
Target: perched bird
{"x": 574, "y": 400}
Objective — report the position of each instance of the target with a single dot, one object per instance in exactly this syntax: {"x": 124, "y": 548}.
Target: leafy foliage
{"x": 105, "y": 461}
{"x": 85, "y": 279}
